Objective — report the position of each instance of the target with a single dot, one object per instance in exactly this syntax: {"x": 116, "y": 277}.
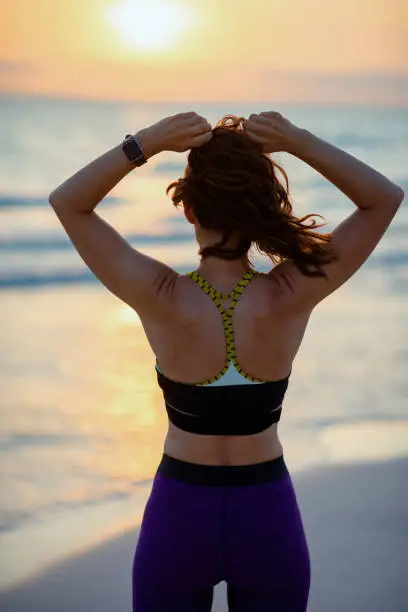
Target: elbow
{"x": 56, "y": 204}
{"x": 51, "y": 199}
{"x": 400, "y": 195}
{"x": 394, "y": 197}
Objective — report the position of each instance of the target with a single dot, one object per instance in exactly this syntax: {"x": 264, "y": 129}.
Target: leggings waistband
{"x": 236, "y": 475}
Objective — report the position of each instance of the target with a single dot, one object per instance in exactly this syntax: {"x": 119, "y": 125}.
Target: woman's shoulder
{"x": 282, "y": 289}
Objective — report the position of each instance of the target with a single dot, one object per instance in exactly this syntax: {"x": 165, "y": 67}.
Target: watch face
{"x": 134, "y": 152}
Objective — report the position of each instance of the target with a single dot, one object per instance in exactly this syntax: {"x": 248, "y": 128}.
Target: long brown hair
{"x": 233, "y": 188}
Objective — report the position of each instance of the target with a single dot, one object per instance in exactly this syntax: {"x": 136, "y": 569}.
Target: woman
{"x": 222, "y": 505}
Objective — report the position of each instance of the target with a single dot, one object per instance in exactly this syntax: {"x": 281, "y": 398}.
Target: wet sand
{"x": 356, "y": 520}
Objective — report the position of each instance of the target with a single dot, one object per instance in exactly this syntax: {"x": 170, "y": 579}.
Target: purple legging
{"x": 207, "y": 524}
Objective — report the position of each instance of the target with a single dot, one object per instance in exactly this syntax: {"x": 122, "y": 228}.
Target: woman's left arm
{"x": 135, "y": 278}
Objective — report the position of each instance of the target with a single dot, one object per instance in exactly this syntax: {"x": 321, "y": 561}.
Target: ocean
{"x": 82, "y": 422}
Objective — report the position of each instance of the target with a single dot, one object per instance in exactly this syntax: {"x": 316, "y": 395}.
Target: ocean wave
{"x": 18, "y": 441}
{"x": 38, "y": 280}
{"x": 25, "y": 201}
{"x": 35, "y": 280}
{"x": 353, "y": 139}
{"x": 391, "y": 260}
{"x": 61, "y": 243}
{"x": 396, "y": 262}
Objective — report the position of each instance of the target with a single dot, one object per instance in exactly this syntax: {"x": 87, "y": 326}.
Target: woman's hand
{"x": 176, "y": 133}
{"x": 272, "y": 131}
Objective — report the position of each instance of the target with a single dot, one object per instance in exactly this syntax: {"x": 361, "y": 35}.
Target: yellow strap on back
{"x": 217, "y": 297}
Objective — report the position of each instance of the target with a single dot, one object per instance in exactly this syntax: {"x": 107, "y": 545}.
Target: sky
{"x": 335, "y": 51}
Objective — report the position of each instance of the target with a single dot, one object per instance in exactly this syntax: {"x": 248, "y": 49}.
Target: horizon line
{"x": 112, "y": 100}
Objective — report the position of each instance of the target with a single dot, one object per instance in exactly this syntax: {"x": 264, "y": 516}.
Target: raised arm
{"x": 376, "y": 197}
{"x": 135, "y": 278}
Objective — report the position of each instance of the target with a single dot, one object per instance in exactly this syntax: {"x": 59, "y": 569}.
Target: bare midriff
{"x": 223, "y": 450}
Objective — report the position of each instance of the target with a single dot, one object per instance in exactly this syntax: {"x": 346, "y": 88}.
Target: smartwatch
{"x": 133, "y": 150}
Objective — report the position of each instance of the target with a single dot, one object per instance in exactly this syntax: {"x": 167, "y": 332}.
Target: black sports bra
{"x": 232, "y": 402}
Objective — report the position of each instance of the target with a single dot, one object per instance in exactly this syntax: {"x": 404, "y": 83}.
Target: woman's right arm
{"x": 376, "y": 197}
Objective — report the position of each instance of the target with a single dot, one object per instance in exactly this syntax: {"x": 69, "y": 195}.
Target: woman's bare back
{"x": 190, "y": 347}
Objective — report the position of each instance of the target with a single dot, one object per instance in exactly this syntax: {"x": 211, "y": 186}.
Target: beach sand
{"x": 356, "y": 520}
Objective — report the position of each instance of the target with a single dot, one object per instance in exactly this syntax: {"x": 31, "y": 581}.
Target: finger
{"x": 201, "y": 118}
{"x": 191, "y": 118}
{"x": 192, "y": 128}
{"x": 256, "y": 137}
{"x": 271, "y": 114}
{"x": 254, "y": 127}
{"x": 199, "y": 128}
{"x": 185, "y": 118}
{"x": 196, "y": 121}
{"x": 201, "y": 140}
{"x": 260, "y": 119}
{"x": 255, "y": 117}
{"x": 188, "y": 115}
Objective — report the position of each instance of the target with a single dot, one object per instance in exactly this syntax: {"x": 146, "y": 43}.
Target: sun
{"x": 149, "y": 25}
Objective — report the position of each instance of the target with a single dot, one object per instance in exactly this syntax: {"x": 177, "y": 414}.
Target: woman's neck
{"x": 214, "y": 268}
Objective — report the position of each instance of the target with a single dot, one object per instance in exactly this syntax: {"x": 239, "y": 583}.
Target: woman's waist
{"x": 223, "y": 450}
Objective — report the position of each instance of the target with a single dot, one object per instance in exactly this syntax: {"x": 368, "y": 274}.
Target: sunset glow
{"x": 207, "y": 50}
{"x": 148, "y": 26}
